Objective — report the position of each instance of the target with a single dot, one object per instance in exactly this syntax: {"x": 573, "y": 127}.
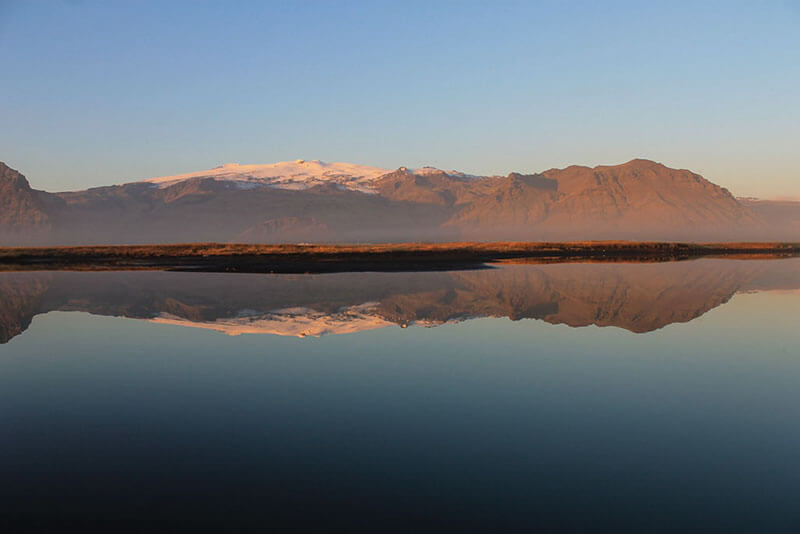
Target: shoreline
{"x": 316, "y": 258}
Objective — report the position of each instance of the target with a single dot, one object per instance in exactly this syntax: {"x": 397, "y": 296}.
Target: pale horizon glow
{"x": 98, "y": 93}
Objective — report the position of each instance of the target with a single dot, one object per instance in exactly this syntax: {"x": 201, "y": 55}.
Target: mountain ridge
{"x": 343, "y": 202}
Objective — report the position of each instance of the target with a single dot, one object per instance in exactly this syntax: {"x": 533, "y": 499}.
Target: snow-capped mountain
{"x": 296, "y": 175}
{"x": 429, "y": 171}
{"x": 300, "y": 174}
{"x": 316, "y": 201}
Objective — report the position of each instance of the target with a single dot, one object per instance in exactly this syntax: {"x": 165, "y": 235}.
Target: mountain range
{"x": 315, "y": 201}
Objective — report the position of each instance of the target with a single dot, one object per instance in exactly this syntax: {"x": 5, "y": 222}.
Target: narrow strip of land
{"x": 214, "y": 257}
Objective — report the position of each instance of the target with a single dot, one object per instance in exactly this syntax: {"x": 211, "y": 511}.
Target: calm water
{"x": 577, "y": 397}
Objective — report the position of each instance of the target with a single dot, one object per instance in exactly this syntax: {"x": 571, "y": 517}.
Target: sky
{"x": 97, "y": 93}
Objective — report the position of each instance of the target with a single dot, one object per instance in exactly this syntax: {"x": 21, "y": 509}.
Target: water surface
{"x": 572, "y": 396}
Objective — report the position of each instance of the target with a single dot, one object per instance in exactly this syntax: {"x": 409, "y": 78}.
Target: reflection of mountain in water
{"x": 636, "y": 297}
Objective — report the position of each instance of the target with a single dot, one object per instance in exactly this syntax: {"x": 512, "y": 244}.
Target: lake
{"x": 579, "y": 396}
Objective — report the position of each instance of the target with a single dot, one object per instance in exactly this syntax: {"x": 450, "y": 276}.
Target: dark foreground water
{"x": 654, "y": 397}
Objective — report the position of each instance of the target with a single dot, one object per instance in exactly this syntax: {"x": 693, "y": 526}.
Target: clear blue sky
{"x": 93, "y": 93}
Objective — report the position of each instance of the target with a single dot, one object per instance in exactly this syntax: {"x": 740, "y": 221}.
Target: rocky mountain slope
{"x": 23, "y": 211}
{"x": 315, "y": 201}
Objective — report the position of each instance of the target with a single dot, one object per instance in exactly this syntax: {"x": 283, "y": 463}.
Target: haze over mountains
{"x": 314, "y": 201}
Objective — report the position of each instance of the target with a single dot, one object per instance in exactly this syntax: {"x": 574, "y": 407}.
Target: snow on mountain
{"x": 299, "y": 174}
{"x": 427, "y": 170}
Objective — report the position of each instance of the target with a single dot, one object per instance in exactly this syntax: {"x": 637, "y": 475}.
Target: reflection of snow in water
{"x": 299, "y": 322}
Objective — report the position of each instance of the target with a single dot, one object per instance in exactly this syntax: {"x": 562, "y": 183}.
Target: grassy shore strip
{"x": 380, "y": 257}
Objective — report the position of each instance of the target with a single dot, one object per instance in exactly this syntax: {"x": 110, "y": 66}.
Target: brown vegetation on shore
{"x": 383, "y": 257}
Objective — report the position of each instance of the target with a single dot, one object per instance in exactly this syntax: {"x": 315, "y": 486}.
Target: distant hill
{"x": 341, "y": 202}
{"x": 782, "y": 216}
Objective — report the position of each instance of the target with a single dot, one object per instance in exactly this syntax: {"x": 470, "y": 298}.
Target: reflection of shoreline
{"x": 636, "y": 297}
{"x": 543, "y": 260}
